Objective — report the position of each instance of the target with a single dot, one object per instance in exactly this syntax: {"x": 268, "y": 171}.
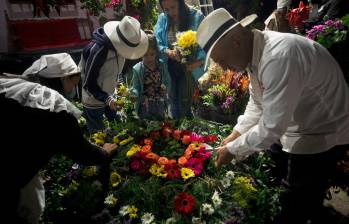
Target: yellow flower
{"x": 116, "y": 139}
{"x": 133, "y": 150}
{"x": 132, "y": 211}
{"x": 115, "y": 179}
{"x": 158, "y": 170}
{"x": 187, "y": 39}
{"x": 187, "y": 173}
{"x": 90, "y": 171}
{"x": 99, "y": 138}
{"x": 122, "y": 90}
{"x": 127, "y": 140}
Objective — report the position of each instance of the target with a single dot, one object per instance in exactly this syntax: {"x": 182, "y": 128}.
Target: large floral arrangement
{"x": 223, "y": 93}
{"x": 127, "y": 193}
{"x": 187, "y": 46}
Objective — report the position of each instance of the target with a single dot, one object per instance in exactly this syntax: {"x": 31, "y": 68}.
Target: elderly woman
{"x": 179, "y": 17}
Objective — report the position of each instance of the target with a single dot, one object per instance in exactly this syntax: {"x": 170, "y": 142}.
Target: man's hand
{"x": 234, "y": 135}
{"x": 110, "y": 147}
{"x": 223, "y": 156}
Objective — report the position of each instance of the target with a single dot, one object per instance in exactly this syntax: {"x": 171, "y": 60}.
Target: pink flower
{"x": 196, "y": 165}
{"x": 204, "y": 154}
{"x": 112, "y": 3}
{"x": 196, "y": 138}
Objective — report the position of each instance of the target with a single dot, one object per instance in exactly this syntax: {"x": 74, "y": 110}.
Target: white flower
{"x": 110, "y": 200}
{"x": 217, "y": 201}
{"x": 124, "y": 210}
{"x": 171, "y": 221}
{"x": 207, "y": 209}
{"x": 233, "y": 161}
{"x": 230, "y": 175}
{"x": 197, "y": 220}
{"x": 147, "y": 218}
{"x": 225, "y": 182}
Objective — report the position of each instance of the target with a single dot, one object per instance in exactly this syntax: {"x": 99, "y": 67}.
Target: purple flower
{"x": 329, "y": 22}
{"x": 338, "y": 24}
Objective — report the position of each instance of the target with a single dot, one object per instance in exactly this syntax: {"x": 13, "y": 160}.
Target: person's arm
{"x": 93, "y": 65}
{"x": 283, "y": 82}
{"x": 74, "y": 145}
{"x": 160, "y": 33}
{"x": 136, "y": 82}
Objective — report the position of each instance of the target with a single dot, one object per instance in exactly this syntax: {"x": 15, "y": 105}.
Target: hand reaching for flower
{"x": 110, "y": 147}
{"x": 234, "y": 135}
{"x": 223, "y": 156}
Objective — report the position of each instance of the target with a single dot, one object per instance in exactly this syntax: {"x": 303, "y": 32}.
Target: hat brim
{"x": 244, "y": 22}
{"x": 124, "y": 50}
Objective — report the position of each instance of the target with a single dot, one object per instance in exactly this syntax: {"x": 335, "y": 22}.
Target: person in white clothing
{"x": 298, "y": 96}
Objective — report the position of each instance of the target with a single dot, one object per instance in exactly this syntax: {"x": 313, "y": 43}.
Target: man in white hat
{"x": 102, "y": 61}
{"x": 298, "y": 95}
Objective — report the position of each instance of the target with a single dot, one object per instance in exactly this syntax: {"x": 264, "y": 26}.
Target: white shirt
{"x": 298, "y": 95}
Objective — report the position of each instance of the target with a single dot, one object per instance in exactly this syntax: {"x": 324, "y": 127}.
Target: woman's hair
{"x": 183, "y": 15}
{"x": 153, "y": 44}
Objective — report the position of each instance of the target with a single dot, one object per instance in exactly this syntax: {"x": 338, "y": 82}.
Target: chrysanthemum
{"x": 207, "y": 209}
{"x": 217, "y": 201}
{"x": 230, "y": 175}
{"x": 226, "y": 182}
{"x": 132, "y": 211}
{"x": 124, "y": 210}
{"x": 110, "y": 200}
{"x": 147, "y": 218}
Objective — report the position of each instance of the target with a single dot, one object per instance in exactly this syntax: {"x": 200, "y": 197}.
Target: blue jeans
{"x": 94, "y": 117}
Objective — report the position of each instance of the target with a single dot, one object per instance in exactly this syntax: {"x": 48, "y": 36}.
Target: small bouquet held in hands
{"x": 187, "y": 46}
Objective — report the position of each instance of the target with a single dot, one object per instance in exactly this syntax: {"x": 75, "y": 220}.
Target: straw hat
{"x": 127, "y": 37}
{"x": 215, "y": 26}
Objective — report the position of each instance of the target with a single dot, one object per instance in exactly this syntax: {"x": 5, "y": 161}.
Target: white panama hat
{"x": 215, "y": 26}
{"x": 127, "y": 37}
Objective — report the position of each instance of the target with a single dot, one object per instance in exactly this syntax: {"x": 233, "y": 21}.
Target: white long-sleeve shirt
{"x": 298, "y": 95}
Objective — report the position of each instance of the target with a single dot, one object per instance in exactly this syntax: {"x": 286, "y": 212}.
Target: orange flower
{"x": 188, "y": 152}
{"x": 148, "y": 141}
{"x": 146, "y": 149}
{"x": 177, "y": 134}
{"x": 172, "y": 162}
{"x": 186, "y": 139}
{"x": 182, "y": 161}
{"x": 152, "y": 156}
{"x": 162, "y": 161}
{"x": 244, "y": 84}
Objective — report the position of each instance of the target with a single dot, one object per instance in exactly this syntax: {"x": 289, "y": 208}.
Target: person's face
{"x": 231, "y": 52}
{"x": 170, "y": 7}
{"x": 150, "y": 57}
{"x": 70, "y": 82}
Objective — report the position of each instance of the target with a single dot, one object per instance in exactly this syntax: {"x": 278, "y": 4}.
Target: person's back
{"x": 323, "y": 105}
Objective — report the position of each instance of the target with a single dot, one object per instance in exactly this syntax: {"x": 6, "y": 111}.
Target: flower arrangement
{"x": 230, "y": 95}
{"x": 187, "y": 46}
{"x": 239, "y": 193}
{"x": 330, "y": 32}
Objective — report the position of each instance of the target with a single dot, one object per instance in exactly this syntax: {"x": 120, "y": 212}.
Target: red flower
{"x": 172, "y": 171}
{"x": 184, "y": 203}
{"x": 211, "y": 138}
{"x": 136, "y": 165}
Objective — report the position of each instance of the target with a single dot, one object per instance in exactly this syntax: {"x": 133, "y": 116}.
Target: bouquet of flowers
{"x": 187, "y": 46}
